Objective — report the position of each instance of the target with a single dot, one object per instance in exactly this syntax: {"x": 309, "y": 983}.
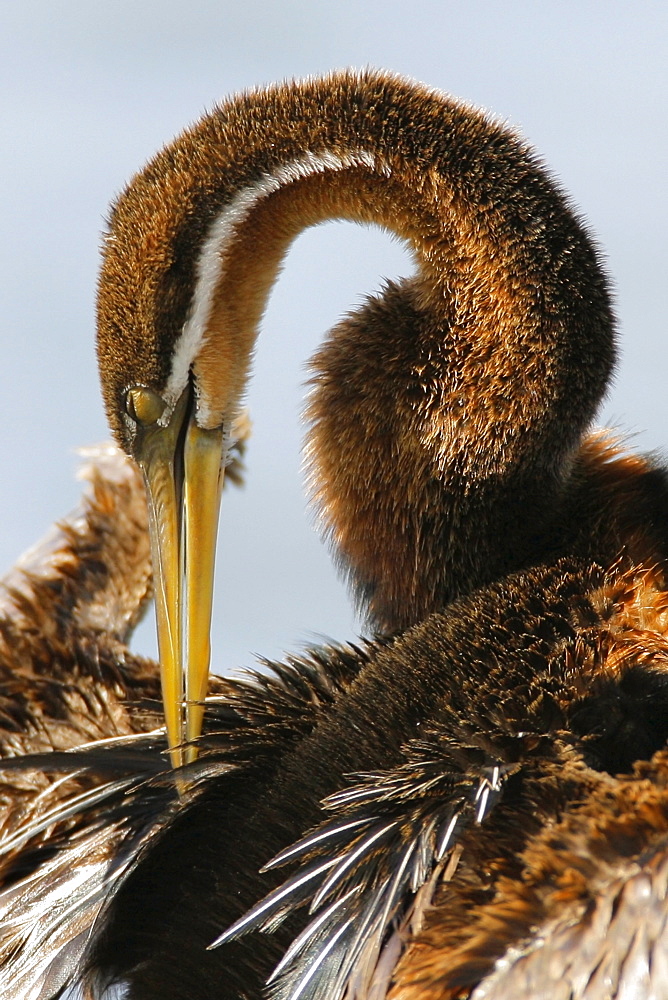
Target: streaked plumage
{"x": 438, "y": 811}
{"x": 67, "y": 677}
{"x": 66, "y": 612}
{"x": 509, "y": 717}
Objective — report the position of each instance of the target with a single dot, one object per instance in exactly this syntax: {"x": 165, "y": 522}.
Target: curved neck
{"x": 446, "y": 412}
{"x": 243, "y": 253}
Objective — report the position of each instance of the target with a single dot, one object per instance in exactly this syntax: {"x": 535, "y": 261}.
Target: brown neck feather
{"x": 447, "y": 412}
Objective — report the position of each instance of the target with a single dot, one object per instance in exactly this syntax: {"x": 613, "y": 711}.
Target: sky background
{"x": 90, "y": 90}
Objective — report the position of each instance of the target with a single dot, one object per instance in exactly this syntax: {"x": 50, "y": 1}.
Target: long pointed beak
{"x": 183, "y": 470}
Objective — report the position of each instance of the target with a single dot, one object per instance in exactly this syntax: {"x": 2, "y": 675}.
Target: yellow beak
{"x": 183, "y": 470}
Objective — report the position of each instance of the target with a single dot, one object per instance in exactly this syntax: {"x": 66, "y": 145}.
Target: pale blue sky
{"x": 88, "y": 91}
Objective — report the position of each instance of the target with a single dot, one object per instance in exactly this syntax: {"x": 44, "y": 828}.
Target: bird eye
{"x": 144, "y": 405}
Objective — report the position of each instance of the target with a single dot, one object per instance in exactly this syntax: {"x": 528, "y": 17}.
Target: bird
{"x": 344, "y": 815}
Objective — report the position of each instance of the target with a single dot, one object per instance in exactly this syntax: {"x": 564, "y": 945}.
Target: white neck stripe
{"x": 221, "y": 235}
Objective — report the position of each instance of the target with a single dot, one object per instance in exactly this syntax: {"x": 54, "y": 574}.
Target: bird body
{"x": 400, "y": 818}
{"x": 495, "y": 742}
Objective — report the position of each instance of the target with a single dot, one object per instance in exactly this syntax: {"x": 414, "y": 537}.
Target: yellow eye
{"x": 144, "y": 405}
